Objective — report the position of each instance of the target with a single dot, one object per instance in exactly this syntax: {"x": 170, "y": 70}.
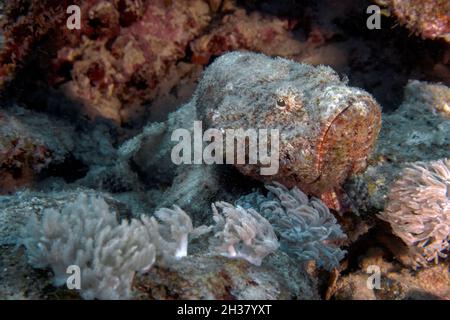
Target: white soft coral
{"x": 241, "y": 233}
{"x": 87, "y": 234}
{"x": 173, "y": 228}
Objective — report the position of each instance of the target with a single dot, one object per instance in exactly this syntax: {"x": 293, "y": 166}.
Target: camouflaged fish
{"x": 327, "y": 129}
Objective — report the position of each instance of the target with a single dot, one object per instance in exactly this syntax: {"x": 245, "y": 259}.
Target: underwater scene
{"x": 225, "y": 150}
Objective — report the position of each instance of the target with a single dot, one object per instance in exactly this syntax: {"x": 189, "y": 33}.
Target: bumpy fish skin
{"x": 327, "y": 129}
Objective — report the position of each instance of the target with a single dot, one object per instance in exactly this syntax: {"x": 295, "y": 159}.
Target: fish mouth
{"x": 346, "y": 141}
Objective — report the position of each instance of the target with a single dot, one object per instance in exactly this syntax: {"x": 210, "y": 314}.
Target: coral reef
{"x": 134, "y": 58}
{"x": 81, "y": 228}
{"x": 22, "y": 156}
{"x": 306, "y": 228}
{"x": 418, "y": 208}
{"x": 327, "y": 129}
{"x": 193, "y": 277}
{"x": 117, "y": 80}
{"x": 427, "y": 18}
{"x": 118, "y": 57}
{"x": 87, "y": 234}
{"x": 19, "y": 18}
{"x": 242, "y": 234}
{"x": 29, "y": 143}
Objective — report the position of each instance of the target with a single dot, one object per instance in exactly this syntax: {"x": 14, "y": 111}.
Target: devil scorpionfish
{"x": 327, "y": 129}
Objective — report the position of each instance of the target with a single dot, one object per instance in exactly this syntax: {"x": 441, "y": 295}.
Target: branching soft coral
{"x": 86, "y": 233}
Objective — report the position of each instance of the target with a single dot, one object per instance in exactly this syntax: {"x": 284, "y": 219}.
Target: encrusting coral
{"x": 306, "y": 227}
{"x": 418, "y": 208}
{"x": 427, "y": 18}
{"x": 242, "y": 234}
{"x": 24, "y": 24}
{"x": 243, "y": 31}
{"x": 117, "y": 59}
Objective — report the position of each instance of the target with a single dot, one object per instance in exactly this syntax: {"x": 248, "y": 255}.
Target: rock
{"x": 33, "y": 143}
{"x": 211, "y": 277}
{"x": 18, "y": 280}
{"x": 29, "y": 143}
{"x": 396, "y": 282}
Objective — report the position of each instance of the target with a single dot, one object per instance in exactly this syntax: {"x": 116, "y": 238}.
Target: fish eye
{"x": 281, "y": 102}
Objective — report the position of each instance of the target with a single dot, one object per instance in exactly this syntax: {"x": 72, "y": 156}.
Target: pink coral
{"x": 24, "y": 24}
{"x": 118, "y": 58}
{"x": 253, "y": 32}
{"x": 428, "y": 18}
{"x": 113, "y": 76}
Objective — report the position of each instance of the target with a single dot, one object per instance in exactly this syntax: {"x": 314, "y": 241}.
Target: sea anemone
{"x": 418, "y": 209}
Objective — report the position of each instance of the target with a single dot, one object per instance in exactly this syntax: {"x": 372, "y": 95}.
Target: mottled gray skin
{"x": 327, "y": 129}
